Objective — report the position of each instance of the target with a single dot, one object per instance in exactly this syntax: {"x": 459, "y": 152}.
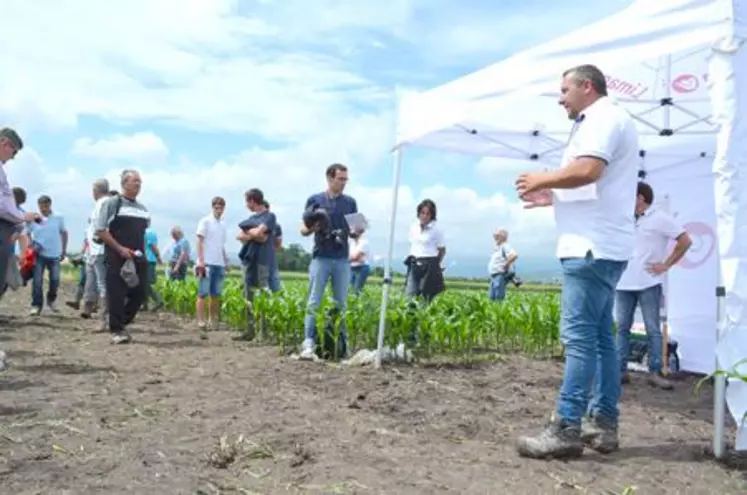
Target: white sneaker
{"x": 53, "y": 307}
{"x": 307, "y": 354}
{"x": 34, "y": 311}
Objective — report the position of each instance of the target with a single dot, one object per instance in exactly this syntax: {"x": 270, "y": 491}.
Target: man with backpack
{"x": 120, "y": 226}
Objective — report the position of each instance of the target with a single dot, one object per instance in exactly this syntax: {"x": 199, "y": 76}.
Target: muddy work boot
{"x": 557, "y": 441}
{"x": 600, "y": 434}
{"x": 659, "y": 381}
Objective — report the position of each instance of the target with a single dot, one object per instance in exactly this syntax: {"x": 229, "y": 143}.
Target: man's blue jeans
{"x": 274, "y": 281}
{"x": 321, "y": 271}
{"x": 51, "y": 265}
{"x": 358, "y": 277}
{"x": 497, "y": 289}
{"x": 586, "y": 331}
{"x": 650, "y": 301}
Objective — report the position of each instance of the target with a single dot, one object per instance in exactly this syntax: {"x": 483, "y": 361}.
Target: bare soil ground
{"x": 80, "y": 416}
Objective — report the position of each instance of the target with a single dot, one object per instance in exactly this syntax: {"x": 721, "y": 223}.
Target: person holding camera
{"x": 501, "y": 266}
{"x": 324, "y": 217}
{"x": 257, "y": 235}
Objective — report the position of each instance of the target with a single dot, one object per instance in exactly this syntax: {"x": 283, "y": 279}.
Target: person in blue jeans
{"x": 153, "y": 256}
{"x": 593, "y": 196}
{"x": 360, "y": 252}
{"x": 180, "y": 255}
{"x": 212, "y": 262}
{"x": 274, "y": 281}
{"x": 641, "y": 283}
{"x": 329, "y": 263}
{"x": 500, "y": 266}
{"x": 49, "y": 238}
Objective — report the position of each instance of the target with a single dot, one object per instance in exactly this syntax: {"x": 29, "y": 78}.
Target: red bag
{"x": 27, "y": 262}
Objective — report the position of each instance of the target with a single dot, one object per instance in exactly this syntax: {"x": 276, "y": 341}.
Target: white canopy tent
{"x": 680, "y": 68}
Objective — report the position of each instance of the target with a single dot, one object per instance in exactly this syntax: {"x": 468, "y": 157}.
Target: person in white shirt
{"x": 360, "y": 253}
{"x": 212, "y": 263}
{"x": 425, "y": 278}
{"x": 593, "y": 196}
{"x": 500, "y": 266}
{"x": 94, "y": 292}
{"x": 641, "y": 283}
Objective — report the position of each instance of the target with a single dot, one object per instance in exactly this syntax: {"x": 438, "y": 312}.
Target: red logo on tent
{"x": 704, "y": 244}
{"x": 685, "y": 83}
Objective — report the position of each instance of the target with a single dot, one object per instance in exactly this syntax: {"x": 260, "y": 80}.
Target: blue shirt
{"x": 179, "y": 246}
{"x": 47, "y": 235}
{"x": 336, "y": 208}
{"x": 151, "y": 239}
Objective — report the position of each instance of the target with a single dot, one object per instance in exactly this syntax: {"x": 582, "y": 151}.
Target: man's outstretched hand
{"x": 537, "y": 199}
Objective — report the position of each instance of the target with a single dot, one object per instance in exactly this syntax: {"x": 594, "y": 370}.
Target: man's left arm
{"x": 670, "y": 228}
{"x": 64, "y": 237}
{"x": 259, "y": 233}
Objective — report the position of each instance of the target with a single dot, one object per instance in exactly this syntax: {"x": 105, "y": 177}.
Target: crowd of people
{"x": 612, "y": 248}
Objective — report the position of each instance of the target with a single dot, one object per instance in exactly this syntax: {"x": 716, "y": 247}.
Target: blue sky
{"x": 212, "y": 97}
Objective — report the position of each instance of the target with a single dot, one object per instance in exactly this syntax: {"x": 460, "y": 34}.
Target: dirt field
{"x": 80, "y": 416}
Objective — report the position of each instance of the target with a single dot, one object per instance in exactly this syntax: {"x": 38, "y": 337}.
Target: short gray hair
{"x": 101, "y": 186}
{"x": 126, "y": 173}
{"x": 591, "y": 73}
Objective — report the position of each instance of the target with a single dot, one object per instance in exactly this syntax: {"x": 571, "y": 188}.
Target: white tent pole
{"x": 719, "y": 381}
{"x": 388, "y": 260}
{"x": 667, "y": 91}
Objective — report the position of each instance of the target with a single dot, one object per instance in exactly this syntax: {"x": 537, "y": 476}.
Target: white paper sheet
{"x": 583, "y": 193}
{"x": 356, "y": 221}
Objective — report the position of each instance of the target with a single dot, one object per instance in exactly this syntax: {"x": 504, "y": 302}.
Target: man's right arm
{"x": 101, "y": 225}
{"x": 305, "y": 231}
{"x": 201, "y": 231}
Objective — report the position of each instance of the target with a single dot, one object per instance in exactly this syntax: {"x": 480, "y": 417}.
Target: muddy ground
{"x": 80, "y": 416}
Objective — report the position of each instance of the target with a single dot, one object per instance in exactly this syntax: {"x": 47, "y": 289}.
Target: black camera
{"x": 319, "y": 218}
{"x": 514, "y": 279}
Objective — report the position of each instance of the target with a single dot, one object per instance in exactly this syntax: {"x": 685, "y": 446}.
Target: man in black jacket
{"x": 121, "y": 226}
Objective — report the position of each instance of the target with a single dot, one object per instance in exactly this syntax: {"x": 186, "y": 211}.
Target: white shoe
{"x": 53, "y": 307}
{"x": 307, "y": 354}
{"x": 34, "y": 311}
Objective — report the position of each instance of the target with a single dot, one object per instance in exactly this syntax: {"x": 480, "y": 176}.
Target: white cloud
{"x": 140, "y": 145}
{"x": 206, "y": 65}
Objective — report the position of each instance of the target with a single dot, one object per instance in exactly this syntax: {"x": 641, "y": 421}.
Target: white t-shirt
{"x": 214, "y": 233}
{"x": 498, "y": 259}
{"x": 653, "y": 231}
{"x": 605, "y": 224}
{"x": 360, "y": 245}
{"x": 425, "y": 242}
{"x": 94, "y": 248}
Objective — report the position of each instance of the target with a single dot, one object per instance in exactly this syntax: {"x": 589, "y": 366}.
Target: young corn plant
{"x": 458, "y": 323}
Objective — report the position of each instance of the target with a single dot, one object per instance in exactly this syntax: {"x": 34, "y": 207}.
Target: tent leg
{"x": 719, "y": 384}
{"x": 388, "y": 261}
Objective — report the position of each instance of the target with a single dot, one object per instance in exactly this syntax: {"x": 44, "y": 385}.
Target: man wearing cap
{"x": 10, "y": 215}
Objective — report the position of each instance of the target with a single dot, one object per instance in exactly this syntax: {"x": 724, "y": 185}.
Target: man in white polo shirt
{"x": 641, "y": 282}
{"x": 593, "y": 196}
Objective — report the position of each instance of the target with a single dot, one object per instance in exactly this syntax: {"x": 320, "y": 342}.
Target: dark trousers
{"x": 6, "y": 251}
{"x": 124, "y": 302}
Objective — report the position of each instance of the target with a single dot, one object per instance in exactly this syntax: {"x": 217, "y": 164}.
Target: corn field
{"x": 459, "y": 323}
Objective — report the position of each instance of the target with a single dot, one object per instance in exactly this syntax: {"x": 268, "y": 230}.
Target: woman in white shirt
{"x": 425, "y": 278}
{"x": 359, "y": 261}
